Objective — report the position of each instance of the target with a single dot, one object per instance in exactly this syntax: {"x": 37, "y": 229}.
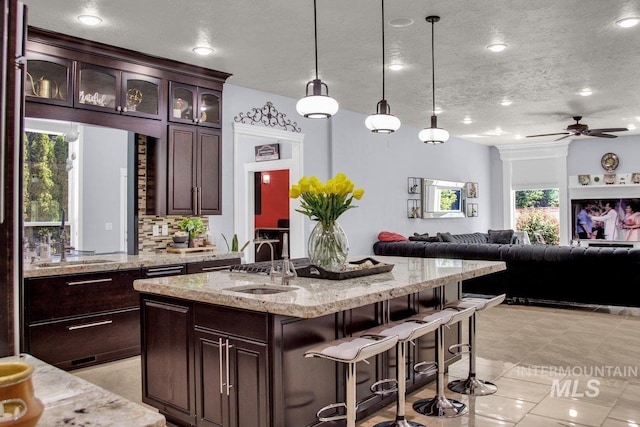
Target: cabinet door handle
{"x": 89, "y": 282}
{"x": 194, "y": 196}
{"x": 89, "y": 325}
{"x": 199, "y": 200}
{"x": 220, "y": 345}
{"x": 214, "y": 268}
{"x": 228, "y": 377}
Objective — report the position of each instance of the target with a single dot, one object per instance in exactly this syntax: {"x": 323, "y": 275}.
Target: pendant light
{"x": 316, "y": 105}
{"x": 433, "y": 134}
{"x": 382, "y": 121}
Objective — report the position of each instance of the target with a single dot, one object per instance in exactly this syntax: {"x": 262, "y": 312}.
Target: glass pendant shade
{"x": 433, "y": 134}
{"x": 383, "y": 121}
{"x": 317, "y": 105}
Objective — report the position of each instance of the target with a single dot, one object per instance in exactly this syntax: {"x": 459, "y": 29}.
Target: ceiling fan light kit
{"x": 578, "y": 129}
{"x": 317, "y": 105}
{"x": 433, "y": 134}
{"x": 382, "y": 121}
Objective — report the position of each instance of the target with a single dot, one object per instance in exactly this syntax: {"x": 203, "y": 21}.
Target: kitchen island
{"x": 227, "y": 348}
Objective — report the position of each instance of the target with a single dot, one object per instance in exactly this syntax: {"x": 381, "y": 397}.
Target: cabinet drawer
{"x": 73, "y": 295}
{"x": 249, "y": 324}
{"x": 88, "y": 340}
{"x": 213, "y": 265}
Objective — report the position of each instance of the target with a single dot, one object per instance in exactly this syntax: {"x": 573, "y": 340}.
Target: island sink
{"x": 262, "y": 290}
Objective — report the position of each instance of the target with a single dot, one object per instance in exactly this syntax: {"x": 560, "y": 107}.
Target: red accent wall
{"x": 275, "y": 199}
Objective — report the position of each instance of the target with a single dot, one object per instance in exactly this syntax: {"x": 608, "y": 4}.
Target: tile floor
{"x": 553, "y": 367}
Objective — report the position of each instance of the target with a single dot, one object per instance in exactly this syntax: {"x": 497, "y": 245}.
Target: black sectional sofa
{"x": 538, "y": 274}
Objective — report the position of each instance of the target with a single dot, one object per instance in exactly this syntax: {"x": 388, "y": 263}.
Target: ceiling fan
{"x": 578, "y": 129}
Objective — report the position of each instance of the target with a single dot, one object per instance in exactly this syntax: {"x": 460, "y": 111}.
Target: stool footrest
{"x": 334, "y": 417}
{"x": 459, "y": 349}
{"x": 379, "y": 386}
{"x": 424, "y": 368}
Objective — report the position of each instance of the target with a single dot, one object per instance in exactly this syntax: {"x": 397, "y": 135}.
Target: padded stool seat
{"x": 407, "y": 330}
{"x": 440, "y": 405}
{"x": 350, "y": 350}
{"x": 471, "y": 385}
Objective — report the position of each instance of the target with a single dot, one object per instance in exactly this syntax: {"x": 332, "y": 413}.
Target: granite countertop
{"x": 70, "y": 400}
{"x": 310, "y": 297}
{"x": 114, "y": 262}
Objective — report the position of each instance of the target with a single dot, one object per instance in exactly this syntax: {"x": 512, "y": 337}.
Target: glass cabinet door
{"x": 181, "y": 102}
{"x": 48, "y": 79}
{"x": 140, "y": 95}
{"x": 195, "y": 105}
{"x": 209, "y": 107}
{"x": 98, "y": 88}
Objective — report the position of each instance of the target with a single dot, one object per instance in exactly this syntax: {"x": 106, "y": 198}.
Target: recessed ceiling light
{"x": 505, "y": 102}
{"x": 202, "y": 50}
{"x": 89, "y": 19}
{"x": 585, "y": 91}
{"x": 631, "y": 126}
{"x": 400, "y": 22}
{"x": 467, "y": 120}
{"x": 628, "y": 22}
{"x": 396, "y": 67}
{"x": 497, "y": 47}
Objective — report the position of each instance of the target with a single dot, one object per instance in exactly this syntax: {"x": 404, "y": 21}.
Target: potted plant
{"x": 194, "y": 226}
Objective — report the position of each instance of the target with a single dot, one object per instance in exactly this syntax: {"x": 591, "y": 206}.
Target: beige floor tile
{"x": 538, "y": 421}
{"x": 523, "y": 390}
{"x": 580, "y": 412}
{"x": 610, "y": 422}
{"x": 500, "y": 408}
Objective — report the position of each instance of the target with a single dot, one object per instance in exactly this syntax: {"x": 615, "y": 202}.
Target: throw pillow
{"x": 446, "y": 237}
{"x": 417, "y": 237}
{"x": 388, "y": 236}
{"x": 500, "y": 236}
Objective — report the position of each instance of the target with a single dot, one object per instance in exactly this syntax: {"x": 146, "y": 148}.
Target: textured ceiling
{"x": 555, "y": 48}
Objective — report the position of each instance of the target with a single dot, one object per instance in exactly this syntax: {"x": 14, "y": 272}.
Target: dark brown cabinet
{"x": 195, "y": 105}
{"x": 111, "y": 90}
{"x": 167, "y": 359}
{"x": 49, "y": 80}
{"x": 82, "y": 319}
{"x": 194, "y": 171}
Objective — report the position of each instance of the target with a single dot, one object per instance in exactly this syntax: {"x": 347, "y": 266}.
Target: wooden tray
{"x": 312, "y": 270}
{"x": 173, "y": 250}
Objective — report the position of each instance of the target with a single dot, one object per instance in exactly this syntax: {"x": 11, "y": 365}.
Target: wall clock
{"x": 609, "y": 162}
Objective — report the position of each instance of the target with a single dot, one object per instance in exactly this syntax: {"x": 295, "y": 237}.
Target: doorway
{"x": 245, "y": 139}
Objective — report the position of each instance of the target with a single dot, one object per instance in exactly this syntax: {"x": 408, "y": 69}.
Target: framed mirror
{"x": 442, "y": 199}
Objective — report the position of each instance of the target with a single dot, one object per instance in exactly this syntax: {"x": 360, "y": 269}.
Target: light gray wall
{"x": 378, "y": 163}
{"x": 104, "y": 153}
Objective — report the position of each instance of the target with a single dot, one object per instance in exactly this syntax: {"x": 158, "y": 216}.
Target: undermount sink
{"x": 72, "y": 263}
{"x": 262, "y": 289}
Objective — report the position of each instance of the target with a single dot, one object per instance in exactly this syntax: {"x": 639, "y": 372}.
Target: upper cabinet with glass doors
{"x": 195, "y": 105}
{"x": 111, "y": 90}
{"x": 49, "y": 79}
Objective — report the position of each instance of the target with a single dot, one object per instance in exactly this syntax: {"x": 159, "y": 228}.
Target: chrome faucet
{"x": 272, "y": 271}
{"x": 288, "y": 270}
{"x": 63, "y": 239}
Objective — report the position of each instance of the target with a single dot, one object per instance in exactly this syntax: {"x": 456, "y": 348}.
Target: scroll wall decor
{"x": 268, "y": 115}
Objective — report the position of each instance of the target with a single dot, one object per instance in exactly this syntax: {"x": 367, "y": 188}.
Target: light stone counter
{"x": 69, "y": 400}
{"x": 309, "y": 298}
{"x": 114, "y": 262}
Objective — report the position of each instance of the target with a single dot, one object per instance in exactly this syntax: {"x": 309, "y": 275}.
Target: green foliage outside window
{"x": 539, "y": 221}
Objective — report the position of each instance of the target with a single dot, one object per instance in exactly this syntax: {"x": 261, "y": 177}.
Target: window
{"x": 537, "y": 213}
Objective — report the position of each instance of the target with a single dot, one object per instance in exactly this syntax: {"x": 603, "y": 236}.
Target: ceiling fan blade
{"x": 563, "y": 137}
{"x": 601, "y": 135}
{"x": 608, "y": 130}
{"x": 549, "y": 134}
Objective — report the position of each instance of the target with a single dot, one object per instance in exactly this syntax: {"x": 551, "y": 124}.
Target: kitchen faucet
{"x": 287, "y": 271}
{"x": 63, "y": 238}
{"x": 272, "y": 270}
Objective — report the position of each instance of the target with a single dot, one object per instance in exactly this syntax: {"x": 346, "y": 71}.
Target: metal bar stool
{"x": 350, "y": 350}
{"x": 471, "y": 385}
{"x": 407, "y": 330}
{"x": 440, "y": 405}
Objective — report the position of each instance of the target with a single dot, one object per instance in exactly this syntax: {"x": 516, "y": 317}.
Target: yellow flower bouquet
{"x": 328, "y": 246}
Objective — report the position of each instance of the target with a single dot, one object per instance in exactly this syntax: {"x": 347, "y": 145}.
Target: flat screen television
{"x": 625, "y": 218}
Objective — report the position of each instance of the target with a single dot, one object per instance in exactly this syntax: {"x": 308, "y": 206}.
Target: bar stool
{"x": 350, "y": 350}
{"x": 471, "y": 385}
{"x": 407, "y": 330}
{"x": 440, "y": 405}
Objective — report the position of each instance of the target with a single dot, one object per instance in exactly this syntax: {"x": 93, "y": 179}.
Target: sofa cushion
{"x": 417, "y": 237}
{"x": 446, "y": 237}
{"x": 500, "y": 236}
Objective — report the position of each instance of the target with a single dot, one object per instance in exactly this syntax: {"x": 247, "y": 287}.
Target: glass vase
{"x": 328, "y": 246}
